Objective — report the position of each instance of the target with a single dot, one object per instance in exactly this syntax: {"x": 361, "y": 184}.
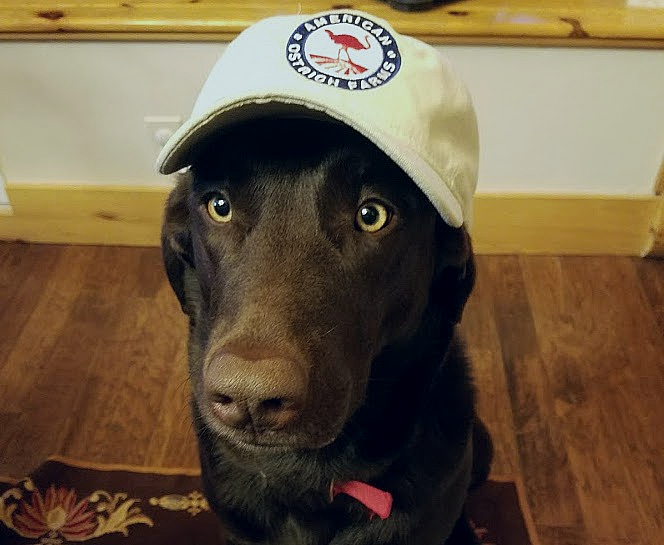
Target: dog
{"x": 323, "y": 291}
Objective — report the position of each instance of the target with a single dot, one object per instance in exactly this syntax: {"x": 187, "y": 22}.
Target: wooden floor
{"x": 568, "y": 355}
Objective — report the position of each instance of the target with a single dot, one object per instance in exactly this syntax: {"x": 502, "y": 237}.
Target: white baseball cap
{"x": 352, "y": 67}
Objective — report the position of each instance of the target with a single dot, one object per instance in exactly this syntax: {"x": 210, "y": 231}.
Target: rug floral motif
{"x": 57, "y": 516}
{"x": 65, "y": 501}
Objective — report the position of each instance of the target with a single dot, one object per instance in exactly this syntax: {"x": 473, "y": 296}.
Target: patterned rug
{"x": 65, "y": 501}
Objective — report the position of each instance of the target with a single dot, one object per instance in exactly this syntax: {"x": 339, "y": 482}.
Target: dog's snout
{"x": 259, "y": 394}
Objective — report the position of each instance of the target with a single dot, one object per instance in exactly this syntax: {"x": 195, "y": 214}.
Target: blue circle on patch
{"x": 344, "y": 50}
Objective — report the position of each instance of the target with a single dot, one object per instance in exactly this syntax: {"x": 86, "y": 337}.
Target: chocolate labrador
{"x": 331, "y": 393}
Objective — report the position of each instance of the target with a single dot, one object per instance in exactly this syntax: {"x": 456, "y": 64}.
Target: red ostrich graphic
{"x": 346, "y": 41}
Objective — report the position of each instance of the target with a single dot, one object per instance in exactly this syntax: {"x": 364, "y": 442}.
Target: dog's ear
{"x": 454, "y": 276}
{"x": 176, "y": 244}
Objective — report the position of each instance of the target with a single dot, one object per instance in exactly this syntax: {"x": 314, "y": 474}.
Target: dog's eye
{"x": 372, "y": 216}
{"x": 219, "y": 208}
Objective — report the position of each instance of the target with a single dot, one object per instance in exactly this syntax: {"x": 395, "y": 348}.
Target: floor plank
{"x": 551, "y": 493}
{"x": 651, "y": 274}
{"x": 601, "y": 350}
{"x": 23, "y": 276}
{"x": 568, "y": 358}
{"x": 483, "y": 345}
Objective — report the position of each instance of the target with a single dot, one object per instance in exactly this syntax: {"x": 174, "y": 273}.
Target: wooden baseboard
{"x": 657, "y": 247}
{"x": 534, "y": 224}
{"x": 564, "y": 224}
{"x": 82, "y": 214}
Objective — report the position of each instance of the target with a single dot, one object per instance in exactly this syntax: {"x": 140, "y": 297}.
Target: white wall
{"x": 552, "y": 120}
{"x": 567, "y": 120}
{"x": 74, "y": 112}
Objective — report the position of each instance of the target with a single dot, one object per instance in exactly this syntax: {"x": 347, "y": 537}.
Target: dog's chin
{"x": 261, "y": 448}
{"x": 249, "y": 442}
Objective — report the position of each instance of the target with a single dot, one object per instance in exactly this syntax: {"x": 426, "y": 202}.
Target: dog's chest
{"x": 315, "y": 526}
{"x": 293, "y": 532}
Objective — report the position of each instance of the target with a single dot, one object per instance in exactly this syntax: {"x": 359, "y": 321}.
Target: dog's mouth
{"x": 257, "y": 445}
{"x": 253, "y": 442}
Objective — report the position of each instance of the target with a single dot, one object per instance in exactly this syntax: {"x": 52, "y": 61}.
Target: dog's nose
{"x": 273, "y": 414}
{"x": 263, "y": 394}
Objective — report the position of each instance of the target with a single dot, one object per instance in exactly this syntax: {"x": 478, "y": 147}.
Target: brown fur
{"x": 339, "y": 343}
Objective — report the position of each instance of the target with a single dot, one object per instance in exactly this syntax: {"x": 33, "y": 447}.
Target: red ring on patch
{"x": 345, "y": 51}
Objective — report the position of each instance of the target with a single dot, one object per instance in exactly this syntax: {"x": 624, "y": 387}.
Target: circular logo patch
{"x": 344, "y": 50}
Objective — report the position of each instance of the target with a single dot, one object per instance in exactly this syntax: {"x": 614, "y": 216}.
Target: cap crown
{"x": 397, "y": 91}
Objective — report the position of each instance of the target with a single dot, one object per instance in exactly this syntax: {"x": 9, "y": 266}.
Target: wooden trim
{"x": 563, "y": 224}
{"x": 82, "y": 214}
{"x": 225, "y": 37}
{"x": 504, "y": 224}
{"x": 657, "y": 247}
{"x": 610, "y": 22}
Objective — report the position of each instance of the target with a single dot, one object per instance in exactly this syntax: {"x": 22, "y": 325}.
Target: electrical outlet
{"x": 160, "y": 128}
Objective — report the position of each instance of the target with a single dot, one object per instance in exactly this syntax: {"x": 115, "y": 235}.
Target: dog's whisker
{"x": 183, "y": 384}
{"x": 329, "y": 331}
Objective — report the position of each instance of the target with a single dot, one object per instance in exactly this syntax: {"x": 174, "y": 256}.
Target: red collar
{"x": 377, "y": 501}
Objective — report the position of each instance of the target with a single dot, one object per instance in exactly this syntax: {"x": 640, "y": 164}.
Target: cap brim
{"x": 180, "y": 151}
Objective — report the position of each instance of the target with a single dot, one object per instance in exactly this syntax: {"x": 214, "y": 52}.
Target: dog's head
{"x": 301, "y": 253}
